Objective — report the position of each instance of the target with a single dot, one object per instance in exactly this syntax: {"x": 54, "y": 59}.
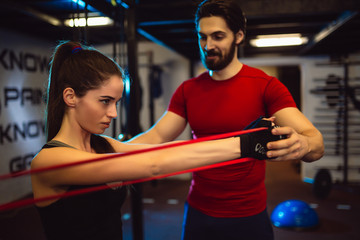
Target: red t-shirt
{"x": 214, "y": 107}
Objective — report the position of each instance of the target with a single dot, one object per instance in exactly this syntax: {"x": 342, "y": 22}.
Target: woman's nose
{"x": 112, "y": 113}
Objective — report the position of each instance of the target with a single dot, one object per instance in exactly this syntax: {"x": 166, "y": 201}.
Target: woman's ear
{"x": 69, "y": 97}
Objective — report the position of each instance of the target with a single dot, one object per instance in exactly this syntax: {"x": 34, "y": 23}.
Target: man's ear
{"x": 69, "y": 97}
{"x": 239, "y": 36}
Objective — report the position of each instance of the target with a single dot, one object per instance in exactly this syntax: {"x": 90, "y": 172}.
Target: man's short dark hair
{"x": 229, "y": 10}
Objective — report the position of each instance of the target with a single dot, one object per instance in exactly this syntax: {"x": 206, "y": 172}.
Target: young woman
{"x": 84, "y": 88}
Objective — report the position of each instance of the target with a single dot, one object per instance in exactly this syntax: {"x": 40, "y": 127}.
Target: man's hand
{"x": 294, "y": 147}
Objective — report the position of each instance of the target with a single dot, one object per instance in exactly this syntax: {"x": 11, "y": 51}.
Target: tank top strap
{"x": 55, "y": 143}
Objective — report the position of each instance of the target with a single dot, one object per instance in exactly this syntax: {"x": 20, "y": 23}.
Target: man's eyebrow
{"x": 217, "y": 32}
{"x": 213, "y": 33}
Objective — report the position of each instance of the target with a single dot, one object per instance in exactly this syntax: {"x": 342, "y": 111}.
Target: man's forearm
{"x": 316, "y": 146}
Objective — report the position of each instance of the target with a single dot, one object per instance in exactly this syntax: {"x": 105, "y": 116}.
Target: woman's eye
{"x": 105, "y": 101}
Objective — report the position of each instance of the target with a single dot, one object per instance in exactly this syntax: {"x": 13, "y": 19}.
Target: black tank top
{"x": 92, "y": 216}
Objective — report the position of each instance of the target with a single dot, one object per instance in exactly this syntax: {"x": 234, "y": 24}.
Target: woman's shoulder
{"x": 57, "y": 153}
{"x": 50, "y": 154}
{"x": 117, "y": 145}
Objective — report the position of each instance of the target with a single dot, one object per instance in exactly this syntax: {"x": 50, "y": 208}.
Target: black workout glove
{"x": 254, "y": 144}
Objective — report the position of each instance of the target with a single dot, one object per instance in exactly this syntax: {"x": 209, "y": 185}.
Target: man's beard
{"x": 221, "y": 62}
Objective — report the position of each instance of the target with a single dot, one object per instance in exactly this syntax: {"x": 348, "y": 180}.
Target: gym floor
{"x": 163, "y": 200}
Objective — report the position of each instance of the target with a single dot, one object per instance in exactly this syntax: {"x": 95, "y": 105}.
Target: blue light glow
{"x": 308, "y": 180}
{"x": 83, "y": 4}
{"x": 121, "y": 136}
{"x": 169, "y": 22}
{"x": 116, "y": 2}
{"x": 125, "y": 5}
{"x": 151, "y": 38}
{"x": 127, "y": 85}
{"x": 79, "y": 2}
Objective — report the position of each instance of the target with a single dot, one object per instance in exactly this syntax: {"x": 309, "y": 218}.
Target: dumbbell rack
{"x": 338, "y": 118}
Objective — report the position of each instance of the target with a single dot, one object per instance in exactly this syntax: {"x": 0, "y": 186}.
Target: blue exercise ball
{"x": 294, "y": 214}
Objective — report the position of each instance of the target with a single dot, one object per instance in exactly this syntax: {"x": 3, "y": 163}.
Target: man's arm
{"x": 166, "y": 129}
{"x": 304, "y": 141}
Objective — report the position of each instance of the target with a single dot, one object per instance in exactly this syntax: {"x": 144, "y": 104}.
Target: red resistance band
{"x": 29, "y": 201}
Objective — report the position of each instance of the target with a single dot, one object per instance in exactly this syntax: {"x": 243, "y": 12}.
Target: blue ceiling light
{"x": 79, "y": 2}
{"x": 167, "y": 22}
{"x": 83, "y": 4}
{"x": 151, "y": 37}
{"x": 114, "y": 3}
{"x": 124, "y": 5}
{"x": 295, "y": 214}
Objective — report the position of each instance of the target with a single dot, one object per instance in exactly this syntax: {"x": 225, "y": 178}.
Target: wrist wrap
{"x": 254, "y": 144}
